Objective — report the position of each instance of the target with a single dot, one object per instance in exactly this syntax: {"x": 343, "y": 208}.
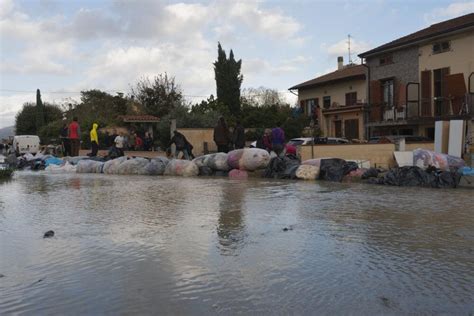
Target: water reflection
{"x": 147, "y": 245}
{"x": 231, "y": 223}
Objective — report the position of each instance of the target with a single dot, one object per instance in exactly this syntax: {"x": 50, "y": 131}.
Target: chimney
{"x": 340, "y": 63}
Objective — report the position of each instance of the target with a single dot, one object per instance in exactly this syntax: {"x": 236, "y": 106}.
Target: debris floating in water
{"x": 48, "y": 234}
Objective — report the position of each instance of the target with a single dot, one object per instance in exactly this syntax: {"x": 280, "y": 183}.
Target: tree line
{"x": 163, "y": 97}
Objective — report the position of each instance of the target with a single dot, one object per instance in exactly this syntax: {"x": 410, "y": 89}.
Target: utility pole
{"x": 349, "y": 47}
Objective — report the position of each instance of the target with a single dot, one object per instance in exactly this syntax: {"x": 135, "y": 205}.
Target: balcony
{"x": 426, "y": 110}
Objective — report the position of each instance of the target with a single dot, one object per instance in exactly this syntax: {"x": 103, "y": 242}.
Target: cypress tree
{"x": 39, "y": 112}
{"x": 228, "y": 80}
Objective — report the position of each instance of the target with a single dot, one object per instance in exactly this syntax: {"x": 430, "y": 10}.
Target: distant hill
{"x": 7, "y": 131}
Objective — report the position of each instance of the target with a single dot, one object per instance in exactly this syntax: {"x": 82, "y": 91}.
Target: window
{"x": 387, "y": 88}
{"x": 351, "y": 98}
{"x": 327, "y": 102}
{"x": 311, "y": 106}
{"x": 441, "y": 47}
{"x": 385, "y": 60}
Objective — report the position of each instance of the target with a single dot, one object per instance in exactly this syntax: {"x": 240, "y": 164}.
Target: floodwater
{"x": 170, "y": 245}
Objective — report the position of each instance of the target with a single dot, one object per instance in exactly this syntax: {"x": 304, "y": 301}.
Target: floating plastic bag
{"x": 157, "y": 166}
{"x": 89, "y": 166}
{"x": 237, "y": 174}
{"x": 307, "y": 172}
{"x": 110, "y": 167}
{"x": 423, "y": 159}
{"x": 178, "y": 167}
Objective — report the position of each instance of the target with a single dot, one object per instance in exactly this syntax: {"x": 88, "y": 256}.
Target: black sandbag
{"x": 415, "y": 176}
{"x": 282, "y": 167}
{"x": 370, "y": 173}
{"x": 205, "y": 171}
{"x": 333, "y": 169}
{"x": 220, "y": 173}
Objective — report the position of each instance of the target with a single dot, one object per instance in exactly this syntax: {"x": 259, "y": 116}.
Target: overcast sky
{"x": 63, "y": 47}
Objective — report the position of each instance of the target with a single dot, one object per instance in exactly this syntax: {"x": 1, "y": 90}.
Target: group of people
{"x": 71, "y": 138}
{"x": 272, "y": 140}
{"x": 70, "y": 135}
{"x": 226, "y": 141}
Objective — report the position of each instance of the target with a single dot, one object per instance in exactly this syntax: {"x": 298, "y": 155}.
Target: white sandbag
{"x": 157, "y": 166}
{"x": 255, "y": 158}
{"x": 178, "y": 167}
{"x": 249, "y": 159}
{"x": 307, "y": 172}
{"x": 201, "y": 160}
{"x": 134, "y": 166}
{"x": 65, "y": 168}
{"x": 110, "y": 167}
{"x": 218, "y": 162}
{"x": 89, "y": 166}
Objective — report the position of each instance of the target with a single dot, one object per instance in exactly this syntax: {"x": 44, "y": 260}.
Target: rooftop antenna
{"x": 349, "y": 47}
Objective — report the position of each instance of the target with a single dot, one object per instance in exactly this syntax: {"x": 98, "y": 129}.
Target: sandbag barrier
{"x": 254, "y": 162}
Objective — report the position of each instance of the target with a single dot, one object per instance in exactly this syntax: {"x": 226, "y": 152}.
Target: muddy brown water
{"x": 169, "y": 245}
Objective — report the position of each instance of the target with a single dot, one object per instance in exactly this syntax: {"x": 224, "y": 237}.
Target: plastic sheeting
{"x": 185, "y": 168}
{"x": 415, "y": 176}
{"x": 237, "y": 174}
{"x": 282, "y": 168}
{"x": 249, "y": 159}
{"x": 335, "y": 169}
{"x": 134, "y": 166}
{"x": 312, "y": 162}
{"x": 423, "y": 159}
{"x": 205, "y": 171}
{"x": 157, "y": 166}
{"x": 110, "y": 167}
{"x": 216, "y": 161}
{"x": 53, "y": 161}
{"x": 89, "y": 166}
{"x": 307, "y": 172}
{"x": 67, "y": 167}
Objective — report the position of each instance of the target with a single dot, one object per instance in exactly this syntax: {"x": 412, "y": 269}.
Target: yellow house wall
{"x": 197, "y": 137}
{"x": 337, "y": 91}
{"x": 460, "y": 59}
{"x": 330, "y": 128}
{"x": 379, "y": 155}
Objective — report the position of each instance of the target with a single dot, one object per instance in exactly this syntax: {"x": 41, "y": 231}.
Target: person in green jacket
{"x": 94, "y": 140}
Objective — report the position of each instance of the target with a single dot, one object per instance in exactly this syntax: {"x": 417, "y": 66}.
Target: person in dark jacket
{"x": 239, "y": 136}
{"x": 221, "y": 135}
{"x": 181, "y": 144}
{"x": 278, "y": 139}
{"x": 63, "y": 134}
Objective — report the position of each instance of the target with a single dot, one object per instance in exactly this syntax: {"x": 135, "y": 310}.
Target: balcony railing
{"x": 426, "y": 108}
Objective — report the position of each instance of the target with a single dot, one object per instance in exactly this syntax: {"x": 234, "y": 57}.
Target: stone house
{"x": 420, "y": 78}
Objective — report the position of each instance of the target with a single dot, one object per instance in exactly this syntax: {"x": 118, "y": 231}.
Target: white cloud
{"x": 451, "y": 11}
{"x": 341, "y": 49}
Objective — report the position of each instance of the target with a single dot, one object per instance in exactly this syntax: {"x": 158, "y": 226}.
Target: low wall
{"x": 197, "y": 137}
{"x": 379, "y": 155}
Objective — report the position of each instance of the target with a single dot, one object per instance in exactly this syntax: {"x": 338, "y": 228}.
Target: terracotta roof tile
{"x": 437, "y": 29}
{"x": 347, "y": 72}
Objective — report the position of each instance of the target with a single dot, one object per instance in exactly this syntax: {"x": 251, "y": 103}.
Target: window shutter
{"x": 456, "y": 90}
{"x": 426, "y": 93}
{"x": 402, "y": 96}
{"x": 375, "y": 92}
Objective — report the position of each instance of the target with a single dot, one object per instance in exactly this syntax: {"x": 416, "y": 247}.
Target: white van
{"x": 26, "y": 144}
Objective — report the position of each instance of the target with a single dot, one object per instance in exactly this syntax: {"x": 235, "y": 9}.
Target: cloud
{"x": 451, "y": 11}
{"x": 341, "y": 48}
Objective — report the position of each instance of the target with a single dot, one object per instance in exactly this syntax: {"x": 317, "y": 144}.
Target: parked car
{"x": 303, "y": 141}
{"x": 395, "y": 138}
